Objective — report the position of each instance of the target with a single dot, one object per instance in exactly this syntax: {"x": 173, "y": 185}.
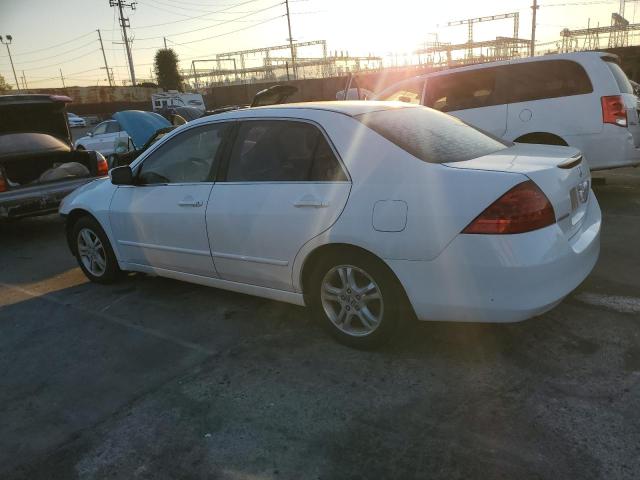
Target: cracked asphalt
{"x": 153, "y": 378}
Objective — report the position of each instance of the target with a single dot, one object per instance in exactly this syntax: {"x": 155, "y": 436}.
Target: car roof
{"x": 350, "y": 108}
{"x": 27, "y": 99}
{"x": 540, "y": 58}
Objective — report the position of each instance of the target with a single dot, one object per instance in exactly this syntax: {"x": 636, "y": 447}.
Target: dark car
{"x": 38, "y": 165}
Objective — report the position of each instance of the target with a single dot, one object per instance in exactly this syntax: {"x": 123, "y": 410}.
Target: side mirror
{"x": 121, "y": 175}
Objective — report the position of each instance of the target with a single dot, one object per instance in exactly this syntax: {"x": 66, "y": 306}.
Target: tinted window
{"x": 186, "y": 158}
{"x": 463, "y": 90}
{"x": 113, "y": 127}
{"x": 282, "y": 151}
{"x": 100, "y": 129}
{"x": 408, "y": 92}
{"x": 431, "y": 136}
{"x": 545, "y": 79}
{"x": 619, "y": 75}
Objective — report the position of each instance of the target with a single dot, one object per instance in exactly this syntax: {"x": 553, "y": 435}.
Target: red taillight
{"x": 103, "y": 166}
{"x": 3, "y": 183}
{"x": 614, "y": 111}
{"x": 522, "y": 209}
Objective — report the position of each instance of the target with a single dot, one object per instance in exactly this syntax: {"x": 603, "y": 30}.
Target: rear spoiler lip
{"x": 571, "y": 162}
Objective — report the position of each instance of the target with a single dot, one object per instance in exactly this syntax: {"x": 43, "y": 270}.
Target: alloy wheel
{"x": 352, "y": 300}
{"x": 91, "y": 252}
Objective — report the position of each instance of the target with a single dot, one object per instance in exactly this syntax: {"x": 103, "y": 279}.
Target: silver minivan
{"x": 583, "y": 100}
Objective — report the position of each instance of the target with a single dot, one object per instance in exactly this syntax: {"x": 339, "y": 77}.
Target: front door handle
{"x": 310, "y": 201}
{"x": 190, "y": 203}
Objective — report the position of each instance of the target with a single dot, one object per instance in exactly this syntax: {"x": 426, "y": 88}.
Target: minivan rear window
{"x": 619, "y": 75}
{"x": 543, "y": 79}
{"x": 431, "y": 136}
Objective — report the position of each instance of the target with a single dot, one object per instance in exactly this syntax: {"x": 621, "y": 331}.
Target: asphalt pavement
{"x": 158, "y": 379}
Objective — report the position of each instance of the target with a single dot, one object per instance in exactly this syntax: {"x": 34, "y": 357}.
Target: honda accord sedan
{"x": 367, "y": 212}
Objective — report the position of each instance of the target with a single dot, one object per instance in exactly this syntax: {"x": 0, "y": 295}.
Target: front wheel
{"x": 357, "y": 299}
{"x": 93, "y": 251}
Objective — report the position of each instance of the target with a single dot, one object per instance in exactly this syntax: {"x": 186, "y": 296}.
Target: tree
{"x": 166, "y": 67}
{"x": 4, "y": 86}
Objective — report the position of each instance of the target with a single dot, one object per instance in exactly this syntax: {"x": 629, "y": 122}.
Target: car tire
{"x": 357, "y": 299}
{"x": 93, "y": 251}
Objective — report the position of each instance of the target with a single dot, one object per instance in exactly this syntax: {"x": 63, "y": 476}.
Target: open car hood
{"x": 273, "y": 95}
{"x": 139, "y": 125}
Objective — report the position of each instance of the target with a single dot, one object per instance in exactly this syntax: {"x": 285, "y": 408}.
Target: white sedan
{"x": 75, "y": 121}
{"x": 368, "y": 212}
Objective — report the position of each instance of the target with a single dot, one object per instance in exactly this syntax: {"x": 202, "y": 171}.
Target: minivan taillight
{"x": 522, "y": 209}
{"x": 614, "y": 111}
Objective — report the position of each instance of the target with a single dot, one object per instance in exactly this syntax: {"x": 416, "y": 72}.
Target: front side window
{"x": 113, "y": 127}
{"x": 408, "y": 92}
{"x": 431, "y": 136}
{"x": 545, "y": 79}
{"x": 463, "y": 90}
{"x": 186, "y": 158}
{"x": 282, "y": 151}
{"x": 100, "y": 129}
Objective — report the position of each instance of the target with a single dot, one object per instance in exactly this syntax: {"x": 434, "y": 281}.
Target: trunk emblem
{"x": 583, "y": 191}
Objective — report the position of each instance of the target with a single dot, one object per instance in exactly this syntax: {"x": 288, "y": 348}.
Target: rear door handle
{"x": 190, "y": 203}
{"x": 310, "y": 201}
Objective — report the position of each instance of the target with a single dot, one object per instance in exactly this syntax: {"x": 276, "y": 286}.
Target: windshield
{"x": 431, "y": 136}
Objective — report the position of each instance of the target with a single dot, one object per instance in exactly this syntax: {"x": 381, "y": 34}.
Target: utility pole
{"x": 124, "y": 23}
{"x": 106, "y": 66}
{"x": 165, "y": 42}
{"x": 535, "y": 8}
{"x": 24, "y": 81}
{"x": 8, "y": 40}
{"x": 293, "y": 52}
{"x": 62, "y": 78}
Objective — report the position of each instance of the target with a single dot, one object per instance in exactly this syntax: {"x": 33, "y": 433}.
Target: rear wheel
{"x": 356, "y": 299}
{"x": 93, "y": 251}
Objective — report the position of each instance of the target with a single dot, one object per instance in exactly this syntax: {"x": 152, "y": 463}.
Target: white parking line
{"x": 614, "y": 302}
{"x": 112, "y": 319}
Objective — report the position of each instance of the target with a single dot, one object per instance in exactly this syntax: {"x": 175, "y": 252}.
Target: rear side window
{"x": 545, "y": 79}
{"x": 619, "y": 75}
{"x": 463, "y": 90}
{"x": 282, "y": 151}
{"x": 431, "y": 136}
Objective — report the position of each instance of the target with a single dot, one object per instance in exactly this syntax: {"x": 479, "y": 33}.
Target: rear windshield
{"x": 431, "y": 136}
{"x": 619, "y": 75}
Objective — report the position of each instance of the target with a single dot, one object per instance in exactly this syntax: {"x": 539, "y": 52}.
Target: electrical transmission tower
{"x": 124, "y": 23}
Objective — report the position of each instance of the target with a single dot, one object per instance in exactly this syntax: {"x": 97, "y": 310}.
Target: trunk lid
{"x": 560, "y": 172}
{"x": 35, "y": 114}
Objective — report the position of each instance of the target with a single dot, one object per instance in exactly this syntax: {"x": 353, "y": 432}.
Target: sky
{"x": 49, "y": 35}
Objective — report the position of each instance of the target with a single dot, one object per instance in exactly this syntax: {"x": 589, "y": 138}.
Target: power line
{"x": 193, "y": 18}
{"x": 66, "y": 61}
{"x": 75, "y": 49}
{"x": 54, "y": 46}
{"x": 233, "y": 31}
{"x": 223, "y": 22}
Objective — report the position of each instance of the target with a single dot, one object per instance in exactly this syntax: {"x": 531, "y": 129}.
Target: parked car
{"x": 122, "y": 133}
{"x": 145, "y": 129}
{"x": 362, "y": 210}
{"x": 579, "y": 99}
{"x": 38, "y": 165}
{"x": 75, "y": 121}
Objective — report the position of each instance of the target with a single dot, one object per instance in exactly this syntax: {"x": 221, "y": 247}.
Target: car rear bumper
{"x": 613, "y": 148}
{"x": 502, "y": 278}
{"x": 36, "y": 200}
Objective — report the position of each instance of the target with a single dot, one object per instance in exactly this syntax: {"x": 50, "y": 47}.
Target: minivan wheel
{"x": 93, "y": 251}
{"x": 356, "y": 300}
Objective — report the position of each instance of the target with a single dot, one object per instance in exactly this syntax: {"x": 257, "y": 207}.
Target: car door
{"x": 160, "y": 221}
{"x": 282, "y": 185}
{"x": 474, "y": 96}
{"x": 92, "y": 142}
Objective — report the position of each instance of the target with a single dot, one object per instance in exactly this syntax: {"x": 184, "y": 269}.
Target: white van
{"x": 579, "y": 99}
{"x": 173, "y": 98}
